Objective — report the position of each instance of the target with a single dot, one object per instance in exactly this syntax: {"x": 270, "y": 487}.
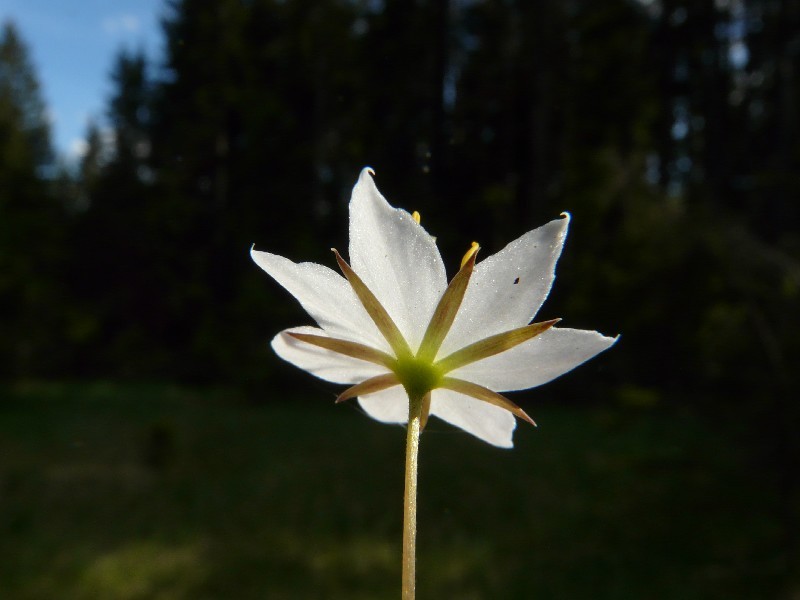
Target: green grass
{"x": 128, "y": 492}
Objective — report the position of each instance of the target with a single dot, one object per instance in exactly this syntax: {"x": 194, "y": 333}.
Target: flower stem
{"x": 410, "y": 498}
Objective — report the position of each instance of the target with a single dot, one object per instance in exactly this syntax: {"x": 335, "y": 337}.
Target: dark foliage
{"x": 668, "y": 130}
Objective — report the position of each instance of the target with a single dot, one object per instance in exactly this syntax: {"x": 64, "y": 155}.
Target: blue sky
{"x": 72, "y": 44}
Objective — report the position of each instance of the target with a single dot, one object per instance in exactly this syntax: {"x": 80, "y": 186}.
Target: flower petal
{"x": 492, "y": 345}
{"x": 396, "y": 258}
{"x": 537, "y": 361}
{"x": 447, "y": 309}
{"x": 388, "y": 406}
{"x": 508, "y": 288}
{"x": 487, "y": 422}
{"x": 323, "y": 363}
{"x": 383, "y": 321}
{"x": 326, "y": 296}
{"x": 473, "y": 390}
{"x": 348, "y": 348}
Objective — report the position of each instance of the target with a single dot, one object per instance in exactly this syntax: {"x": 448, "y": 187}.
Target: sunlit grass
{"x": 128, "y": 492}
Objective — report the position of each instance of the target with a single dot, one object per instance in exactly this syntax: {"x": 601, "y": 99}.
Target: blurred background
{"x": 152, "y": 446}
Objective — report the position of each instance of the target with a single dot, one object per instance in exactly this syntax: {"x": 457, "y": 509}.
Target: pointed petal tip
{"x": 609, "y": 339}
{"x": 265, "y": 260}
{"x": 365, "y": 184}
{"x": 566, "y": 218}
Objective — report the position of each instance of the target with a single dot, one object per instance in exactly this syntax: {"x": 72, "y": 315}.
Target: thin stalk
{"x": 410, "y": 498}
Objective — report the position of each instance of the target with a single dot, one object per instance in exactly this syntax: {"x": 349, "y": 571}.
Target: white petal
{"x": 388, "y": 406}
{"x": 487, "y": 422}
{"x": 537, "y": 361}
{"x": 326, "y": 296}
{"x": 396, "y": 258}
{"x": 325, "y": 364}
{"x": 508, "y": 288}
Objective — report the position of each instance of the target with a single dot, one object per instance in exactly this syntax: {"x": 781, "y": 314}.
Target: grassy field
{"x": 128, "y": 492}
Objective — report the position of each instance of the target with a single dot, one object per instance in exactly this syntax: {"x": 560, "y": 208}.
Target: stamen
{"x": 473, "y": 249}
{"x": 416, "y": 216}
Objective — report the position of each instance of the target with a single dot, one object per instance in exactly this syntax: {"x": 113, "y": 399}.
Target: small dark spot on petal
{"x": 516, "y": 281}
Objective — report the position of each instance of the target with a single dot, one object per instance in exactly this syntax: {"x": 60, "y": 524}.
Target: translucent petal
{"x": 508, "y": 288}
{"x": 325, "y": 364}
{"x": 473, "y": 390}
{"x": 494, "y": 344}
{"x": 396, "y": 258}
{"x": 446, "y": 310}
{"x": 388, "y": 406}
{"x": 348, "y": 348}
{"x": 382, "y": 319}
{"x": 326, "y": 296}
{"x": 537, "y": 361}
{"x": 489, "y": 423}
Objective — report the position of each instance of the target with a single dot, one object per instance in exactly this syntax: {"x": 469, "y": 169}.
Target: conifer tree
{"x": 29, "y": 216}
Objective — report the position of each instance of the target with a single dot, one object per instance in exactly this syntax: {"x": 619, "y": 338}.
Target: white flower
{"x": 394, "y": 328}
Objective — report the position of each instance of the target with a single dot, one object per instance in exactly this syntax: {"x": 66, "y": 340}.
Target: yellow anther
{"x": 473, "y": 249}
{"x": 416, "y": 216}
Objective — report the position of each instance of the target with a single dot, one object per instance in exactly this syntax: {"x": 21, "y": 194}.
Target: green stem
{"x": 415, "y": 407}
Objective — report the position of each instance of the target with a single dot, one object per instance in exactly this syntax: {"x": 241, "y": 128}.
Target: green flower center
{"x": 417, "y": 376}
